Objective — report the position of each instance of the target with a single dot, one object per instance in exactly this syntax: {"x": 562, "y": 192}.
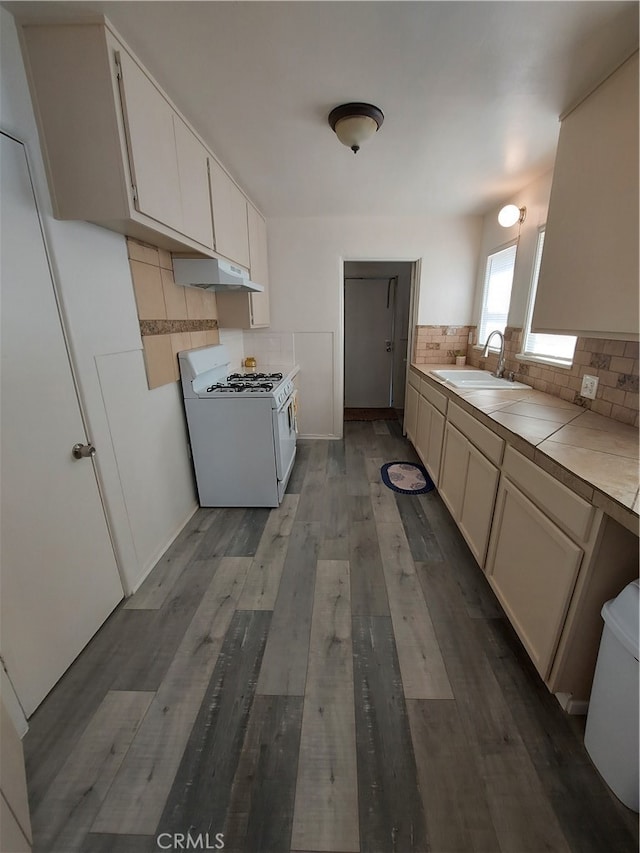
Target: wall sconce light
{"x": 353, "y": 124}
{"x": 510, "y": 214}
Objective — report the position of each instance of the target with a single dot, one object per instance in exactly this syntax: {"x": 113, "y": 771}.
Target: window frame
{"x": 525, "y": 354}
{"x": 495, "y": 251}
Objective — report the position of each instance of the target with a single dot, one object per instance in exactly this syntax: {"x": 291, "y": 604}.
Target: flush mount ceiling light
{"x": 510, "y": 214}
{"x": 353, "y": 124}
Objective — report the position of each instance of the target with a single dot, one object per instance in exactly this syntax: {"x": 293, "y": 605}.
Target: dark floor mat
{"x": 371, "y": 414}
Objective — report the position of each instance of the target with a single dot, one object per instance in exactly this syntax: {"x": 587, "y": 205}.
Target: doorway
{"x": 377, "y": 297}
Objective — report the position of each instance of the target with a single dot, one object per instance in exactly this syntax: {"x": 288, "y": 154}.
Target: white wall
{"x": 305, "y": 272}
{"x": 94, "y": 283}
{"x": 535, "y": 197}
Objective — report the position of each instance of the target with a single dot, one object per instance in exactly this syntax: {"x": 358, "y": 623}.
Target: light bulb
{"x": 510, "y": 214}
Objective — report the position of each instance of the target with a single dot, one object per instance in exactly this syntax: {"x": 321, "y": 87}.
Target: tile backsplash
{"x": 436, "y": 344}
{"x": 172, "y": 317}
{"x": 269, "y": 348}
{"x": 615, "y": 363}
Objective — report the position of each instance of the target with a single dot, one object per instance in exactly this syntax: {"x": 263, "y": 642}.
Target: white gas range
{"x": 242, "y": 428}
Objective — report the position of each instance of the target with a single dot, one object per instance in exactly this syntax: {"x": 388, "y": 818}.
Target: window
{"x": 557, "y": 348}
{"x": 497, "y": 292}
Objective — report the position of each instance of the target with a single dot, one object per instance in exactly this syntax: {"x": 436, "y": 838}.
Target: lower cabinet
{"x": 468, "y": 483}
{"x": 411, "y": 412}
{"x": 532, "y": 567}
{"x": 429, "y": 437}
{"x": 551, "y": 557}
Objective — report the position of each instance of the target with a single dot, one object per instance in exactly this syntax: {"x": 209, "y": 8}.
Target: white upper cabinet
{"x": 117, "y": 151}
{"x": 245, "y": 310}
{"x": 259, "y": 267}
{"x": 589, "y": 274}
{"x": 193, "y": 174}
{"x": 151, "y": 141}
{"x": 230, "y": 224}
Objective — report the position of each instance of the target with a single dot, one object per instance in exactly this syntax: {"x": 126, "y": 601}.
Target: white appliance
{"x": 242, "y": 428}
{"x": 213, "y": 274}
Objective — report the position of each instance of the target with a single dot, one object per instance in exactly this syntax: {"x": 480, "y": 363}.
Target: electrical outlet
{"x": 589, "y": 387}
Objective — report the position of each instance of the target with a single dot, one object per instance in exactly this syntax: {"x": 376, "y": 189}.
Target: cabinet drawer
{"x": 488, "y": 442}
{"x": 414, "y": 379}
{"x": 566, "y": 508}
{"x": 435, "y": 397}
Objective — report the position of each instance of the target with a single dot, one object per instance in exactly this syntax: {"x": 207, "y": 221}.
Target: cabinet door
{"x": 477, "y": 506}
{"x": 423, "y": 427}
{"x": 434, "y": 446}
{"x": 589, "y": 271}
{"x": 411, "y": 413}
{"x": 259, "y": 267}
{"x": 151, "y": 146}
{"x": 454, "y": 470}
{"x": 229, "y": 216}
{"x": 532, "y": 567}
{"x": 194, "y": 184}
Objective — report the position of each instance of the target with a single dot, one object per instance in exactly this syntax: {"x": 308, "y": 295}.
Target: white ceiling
{"x": 471, "y": 91}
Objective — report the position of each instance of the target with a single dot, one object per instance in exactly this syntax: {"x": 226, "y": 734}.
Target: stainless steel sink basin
{"x": 470, "y": 380}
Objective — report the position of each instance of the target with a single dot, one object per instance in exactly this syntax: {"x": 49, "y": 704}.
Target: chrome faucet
{"x": 500, "y": 366}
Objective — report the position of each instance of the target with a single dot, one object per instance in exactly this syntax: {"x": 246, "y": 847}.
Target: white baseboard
{"x": 151, "y": 564}
{"x": 578, "y": 707}
{"x": 326, "y": 437}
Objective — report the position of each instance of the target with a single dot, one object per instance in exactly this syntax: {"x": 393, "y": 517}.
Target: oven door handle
{"x": 290, "y": 406}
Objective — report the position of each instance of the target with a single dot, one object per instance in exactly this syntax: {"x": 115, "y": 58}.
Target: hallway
{"x": 331, "y": 675}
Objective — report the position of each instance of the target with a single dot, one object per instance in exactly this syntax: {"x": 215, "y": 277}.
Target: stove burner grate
{"x": 255, "y": 377}
{"x": 240, "y": 387}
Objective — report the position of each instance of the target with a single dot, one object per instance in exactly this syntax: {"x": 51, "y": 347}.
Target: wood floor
{"x": 331, "y": 675}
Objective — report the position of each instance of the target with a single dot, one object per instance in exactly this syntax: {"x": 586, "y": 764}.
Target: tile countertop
{"x": 594, "y": 456}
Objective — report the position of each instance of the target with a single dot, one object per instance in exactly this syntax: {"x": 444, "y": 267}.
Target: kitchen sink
{"x": 470, "y": 380}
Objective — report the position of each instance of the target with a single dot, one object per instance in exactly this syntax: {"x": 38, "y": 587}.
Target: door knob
{"x": 83, "y": 451}
{"x": 388, "y": 346}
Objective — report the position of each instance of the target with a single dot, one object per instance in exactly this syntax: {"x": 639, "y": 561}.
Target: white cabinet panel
{"x": 468, "y": 484}
{"x": 152, "y": 145}
{"x": 454, "y": 469}
{"x": 532, "y": 568}
{"x": 411, "y": 412}
{"x": 434, "y": 447}
{"x": 193, "y": 175}
{"x": 589, "y": 273}
{"x": 429, "y": 437}
{"x": 248, "y": 310}
{"x": 229, "y": 216}
{"x": 259, "y": 268}
{"x": 477, "y": 506}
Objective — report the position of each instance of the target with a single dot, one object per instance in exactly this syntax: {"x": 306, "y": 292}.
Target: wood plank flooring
{"x": 332, "y": 675}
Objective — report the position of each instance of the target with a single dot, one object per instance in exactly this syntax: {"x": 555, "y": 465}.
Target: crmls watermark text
{"x": 187, "y": 841}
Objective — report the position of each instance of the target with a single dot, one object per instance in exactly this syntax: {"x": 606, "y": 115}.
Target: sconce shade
{"x": 353, "y": 124}
{"x": 510, "y": 214}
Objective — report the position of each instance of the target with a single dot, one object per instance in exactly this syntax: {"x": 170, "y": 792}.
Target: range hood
{"x": 213, "y": 274}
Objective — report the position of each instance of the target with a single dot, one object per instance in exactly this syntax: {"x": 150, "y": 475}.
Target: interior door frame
{"x": 416, "y": 266}
{"x": 59, "y": 303}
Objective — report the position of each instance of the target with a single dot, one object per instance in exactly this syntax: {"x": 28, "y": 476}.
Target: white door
{"x": 59, "y": 575}
{"x": 368, "y": 331}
